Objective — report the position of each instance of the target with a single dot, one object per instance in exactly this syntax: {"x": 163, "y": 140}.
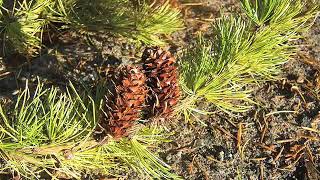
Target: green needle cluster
{"x": 51, "y": 133}
{"x": 23, "y": 23}
{"x": 241, "y": 50}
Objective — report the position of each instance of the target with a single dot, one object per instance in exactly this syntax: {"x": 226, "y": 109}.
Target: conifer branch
{"x": 144, "y": 23}
{"x": 50, "y": 132}
{"x": 270, "y": 45}
{"x": 242, "y": 51}
{"x": 208, "y": 69}
{"x": 23, "y": 25}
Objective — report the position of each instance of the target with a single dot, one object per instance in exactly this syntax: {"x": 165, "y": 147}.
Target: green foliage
{"x": 22, "y": 26}
{"x": 42, "y": 124}
{"x": 270, "y": 45}
{"x": 163, "y": 21}
{"x": 259, "y": 11}
{"x": 115, "y": 157}
{"x": 264, "y": 12}
{"x": 50, "y": 131}
{"x": 138, "y": 22}
{"x": 218, "y": 68}
{"x": 1, "y": 2}
{"x": 142, "y": 160}
{"x": 48, "y": 117}
{"x": 208, "y": 69}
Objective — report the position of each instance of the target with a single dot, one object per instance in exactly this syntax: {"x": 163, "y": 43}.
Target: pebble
{"x": 300, "y": 80}
{"x": 221, "y": 156}
{"x": 169, "y": 157}
{"x": 179, "y": 154}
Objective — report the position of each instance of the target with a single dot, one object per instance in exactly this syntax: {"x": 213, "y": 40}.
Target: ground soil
{"x": 276, "y": 140}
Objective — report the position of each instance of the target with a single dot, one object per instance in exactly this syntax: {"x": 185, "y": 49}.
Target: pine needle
{"x": 270, "y": 46}
{"x": 242, "y": 51}
{"x": 49, "y": 131}
{"x": 209, "y": 71}
{"x": 142, "y": 22}
{"x": 23, "y": 25}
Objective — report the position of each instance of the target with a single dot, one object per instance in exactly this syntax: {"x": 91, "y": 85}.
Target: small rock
{"x": 300, "y": 79}
{"x": 179, "y": 154}
{"x": 169, "y": 157}
{"x": 221, "y": 156}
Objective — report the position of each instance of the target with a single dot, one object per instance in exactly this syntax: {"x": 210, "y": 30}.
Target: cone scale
{"x": 124, "y": 104}
{"x": 162, "y": 80}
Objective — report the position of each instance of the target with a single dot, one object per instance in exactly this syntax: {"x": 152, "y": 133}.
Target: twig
{"x": 294, "y": 163}
{"x": 192, "y": 4}
{"x": 264, "y": 132}
{"x": 226, "y": 132}
{"x": 279, "y": 112}
{"x": 309, "y": 60}
{"x": 239, "y": 136}
{"x": 210, "y": 158}
{"x": 310, "y": 129}
{"x": 5, "y": 74}
{"x": 278, "y": 156}
{"x": 285, "y": 141}
{"x": 243, "y": 148}
{"x": 309, "y": 153}
{"x": 311, "y": 138}
{"x": 261, "y": 171}
{"x": 267, "y": 147}
{"x": 258, "y": 159}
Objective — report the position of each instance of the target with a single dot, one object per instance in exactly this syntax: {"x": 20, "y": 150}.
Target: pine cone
{"x": 124, "y": 104}
{"x": 162, "y": 80}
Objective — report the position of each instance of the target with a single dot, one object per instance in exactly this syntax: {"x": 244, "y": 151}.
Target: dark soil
{"x": 272, "y": 141}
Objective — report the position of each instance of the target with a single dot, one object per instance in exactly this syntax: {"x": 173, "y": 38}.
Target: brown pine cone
{"x": 162, "y": 79}
{"x": 124, "y": 104}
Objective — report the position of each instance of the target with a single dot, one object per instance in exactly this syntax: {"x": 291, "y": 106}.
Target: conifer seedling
{"x": 241, "y": 50}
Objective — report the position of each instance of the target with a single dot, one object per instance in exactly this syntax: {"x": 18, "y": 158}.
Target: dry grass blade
{"x": 239, "y": 137}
